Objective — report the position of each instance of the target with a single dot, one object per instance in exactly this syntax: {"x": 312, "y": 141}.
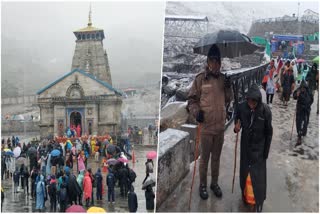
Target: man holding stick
{"x": 207, "y": 103}
{"x": 255, "y": 119}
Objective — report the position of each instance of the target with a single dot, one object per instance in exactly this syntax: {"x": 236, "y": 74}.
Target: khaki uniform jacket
{"x": 209, "y": 94}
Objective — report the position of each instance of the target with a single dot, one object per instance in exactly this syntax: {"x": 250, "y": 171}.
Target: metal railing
{"x": 241, "y": 82}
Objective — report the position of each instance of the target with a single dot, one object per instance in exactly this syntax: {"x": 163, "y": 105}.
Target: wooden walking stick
{"x": 195, "y": 161}
{"x": 235, "y": 161}
{"x": 294, "y": 116}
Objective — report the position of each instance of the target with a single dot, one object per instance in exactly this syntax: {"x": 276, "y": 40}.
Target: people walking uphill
{"x": 52, "y": 191}
{"x": 111, "y": 181}
{"x": 41, "y": 194}
{"x": 149, "y": 195}
{"x": 99, "y": 178}
{"x": 255, "y": 120}
{"x": 87, "y": 189}
{"x": 270, "y": 88}
{"x": 207, "y": 98}
{"x": 288, "y": 85}
{"x": 132, "y": 200}
{"x": 304, "y": 98}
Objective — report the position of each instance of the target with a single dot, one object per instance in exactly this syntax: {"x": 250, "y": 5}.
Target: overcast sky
{"x": 41, "y": 33}
{"x": 133, "y": 31}
{"x": 239, "y": 15}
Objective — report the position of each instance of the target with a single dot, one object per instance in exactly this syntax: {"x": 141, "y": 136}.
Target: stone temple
{"x": 84, "y": 97}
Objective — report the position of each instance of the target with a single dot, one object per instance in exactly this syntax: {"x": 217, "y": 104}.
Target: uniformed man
{"x": 207, "y": 100}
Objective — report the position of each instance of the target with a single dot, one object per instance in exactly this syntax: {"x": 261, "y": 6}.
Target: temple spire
{"x": 90, "y": 22}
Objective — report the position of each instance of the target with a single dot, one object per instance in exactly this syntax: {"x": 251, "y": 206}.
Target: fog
{"x": 239, "y": 15}
{"x": 38, "y": 41}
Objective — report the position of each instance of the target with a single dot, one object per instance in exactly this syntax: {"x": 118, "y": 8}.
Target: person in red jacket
{"x": 87, "y": 188}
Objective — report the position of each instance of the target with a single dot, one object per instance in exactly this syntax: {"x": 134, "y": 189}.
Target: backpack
{"x": 132, "y": 175}
{"x": 52, "y": 189}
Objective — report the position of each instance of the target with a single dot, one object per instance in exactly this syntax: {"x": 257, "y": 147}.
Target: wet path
{"x": 292, "y": 173}
{"x": 21, "y": 202}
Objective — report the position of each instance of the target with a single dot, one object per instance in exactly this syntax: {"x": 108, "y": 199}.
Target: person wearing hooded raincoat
{"x": 93, "y": 145}
{"x": 287, "y": 84}
{"x": 304, "y": 98}
{"x": 255, "y": 120}
{"x": 74, "y": 190}
{"x": 99, "y": 178}
{"x": 80, "y": 182}
{"x": 41, "y": 194}
{"x": 81, "y": 165}
{"x": 69, "y": 132}
{"x": 52, "y": 190}
{"x": 87, "y": 188}
{"x": 48, "y": 166}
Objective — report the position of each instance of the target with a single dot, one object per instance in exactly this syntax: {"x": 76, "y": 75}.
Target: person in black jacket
{"x": 63, "y": 195}
{"x": 34, "y": 175}
{"x": 98, "y": 177}
{"x": 25, "y": 181}
{"x": 132, "y": 200}
{"x": 16, "y": 178}
{"x": 149, "y": 194}
{"x": 74, "y": 190}
{"x": 123, "y": 177}
{"x": 255, "y": 119}
{"x": 304, "y": 99}
{"x": 110, "y": 183}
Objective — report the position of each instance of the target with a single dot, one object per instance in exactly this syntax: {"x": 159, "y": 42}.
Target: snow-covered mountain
{"x": 237, "y": 15}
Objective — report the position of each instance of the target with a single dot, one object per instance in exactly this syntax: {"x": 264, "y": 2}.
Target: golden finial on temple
{"x": 89, "y": 22}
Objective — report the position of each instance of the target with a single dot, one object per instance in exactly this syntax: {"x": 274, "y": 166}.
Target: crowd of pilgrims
{"x": 52, "y": 173}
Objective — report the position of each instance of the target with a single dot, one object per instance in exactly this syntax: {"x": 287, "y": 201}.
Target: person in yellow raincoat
{"x": 93, "y": 145}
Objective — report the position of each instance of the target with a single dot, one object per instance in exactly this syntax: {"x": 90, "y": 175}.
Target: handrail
{"x": 241, "y": 81}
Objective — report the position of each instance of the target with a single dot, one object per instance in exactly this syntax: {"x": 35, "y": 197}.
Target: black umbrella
{"x": 231, "y": 44}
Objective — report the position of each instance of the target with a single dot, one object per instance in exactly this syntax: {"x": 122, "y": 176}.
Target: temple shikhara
{"x": 84, "y": 98}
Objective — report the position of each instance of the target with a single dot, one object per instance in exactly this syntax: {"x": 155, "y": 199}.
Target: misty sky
{"x": 37, "y": 37}
{"x": 133, "y": 31}
{"x": 239, "y": 15}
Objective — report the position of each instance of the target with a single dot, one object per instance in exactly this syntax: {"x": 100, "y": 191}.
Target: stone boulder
{"x": 173, "y": 115}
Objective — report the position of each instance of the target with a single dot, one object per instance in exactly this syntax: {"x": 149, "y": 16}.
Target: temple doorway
{"x": 76, "y": 122}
